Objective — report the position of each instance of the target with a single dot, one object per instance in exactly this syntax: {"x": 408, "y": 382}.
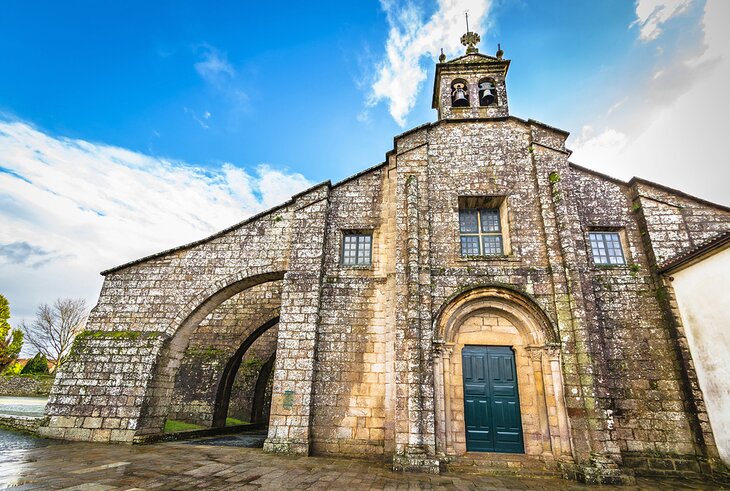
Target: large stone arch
{"x": 498, "y": 316}
{"x": 156, "y": 403}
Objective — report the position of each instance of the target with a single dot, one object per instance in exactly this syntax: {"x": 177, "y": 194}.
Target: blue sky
{"x": 130, "y": 127}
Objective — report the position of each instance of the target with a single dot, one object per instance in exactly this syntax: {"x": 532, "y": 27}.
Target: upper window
{"x": 480, "y": 231}
{"x": 606, "y": 248}
{"x": 357, "y": 249}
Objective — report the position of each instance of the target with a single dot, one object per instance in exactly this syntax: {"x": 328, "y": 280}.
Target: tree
{"x": 11, "y": 340}
{"x": 38, "y": 365}
{"x": 54, "y": 328}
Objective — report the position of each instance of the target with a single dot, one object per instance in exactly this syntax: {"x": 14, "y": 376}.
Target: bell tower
{"x": 471, "y": 86}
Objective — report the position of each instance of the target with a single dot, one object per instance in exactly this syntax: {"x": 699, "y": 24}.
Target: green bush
{"x": 38, "y": 365}
{"x": 13, "y": 369}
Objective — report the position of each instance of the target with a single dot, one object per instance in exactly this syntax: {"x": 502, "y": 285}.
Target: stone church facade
{"x": 474, "y": 294}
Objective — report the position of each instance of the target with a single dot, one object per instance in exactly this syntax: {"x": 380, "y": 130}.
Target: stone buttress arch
{"x": 158, "y": 394}
{"x": 523, "y": 326}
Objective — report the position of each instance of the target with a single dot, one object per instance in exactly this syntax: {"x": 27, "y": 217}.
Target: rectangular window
{"x": 480, "y": 232}
{"x": 606, "y": 248}
{"x": 357, "y": 249}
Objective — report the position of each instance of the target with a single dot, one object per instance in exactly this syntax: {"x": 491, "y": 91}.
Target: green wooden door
{"x": 491, "y": 402}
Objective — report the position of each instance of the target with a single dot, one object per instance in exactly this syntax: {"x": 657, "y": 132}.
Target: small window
{"x": 606, "y": 248}
{"x": 480, "y": 231}
{"x": 357, "y": 249}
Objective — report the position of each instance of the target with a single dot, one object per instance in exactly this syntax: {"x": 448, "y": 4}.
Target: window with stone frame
{"x": 357, "y": 248}
{"x": 606, "y": 248}
{"x": 480, "y": 226}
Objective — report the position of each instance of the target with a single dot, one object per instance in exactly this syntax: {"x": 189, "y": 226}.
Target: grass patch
{"x": 234, "y": 422}
{"x": 173, "y": 426}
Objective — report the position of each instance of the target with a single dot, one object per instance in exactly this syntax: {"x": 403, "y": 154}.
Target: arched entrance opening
{"x": 254, "y": 388}
{"x": 197, "y": 367}
{"x": 495, "y": 330}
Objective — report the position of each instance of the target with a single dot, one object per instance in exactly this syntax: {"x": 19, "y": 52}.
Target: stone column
{"x": 439, "y": 397}
{"x": 561, "y": 438}
{"x": 292, "y": 397}
{"x": 536, "y": 357}
{"x": 415, "y": 442}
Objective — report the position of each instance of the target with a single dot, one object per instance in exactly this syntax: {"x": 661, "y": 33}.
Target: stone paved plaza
{"x": 86, "y": 466}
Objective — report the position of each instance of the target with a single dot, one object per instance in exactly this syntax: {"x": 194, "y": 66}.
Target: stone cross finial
{"x": 470, "y": 39}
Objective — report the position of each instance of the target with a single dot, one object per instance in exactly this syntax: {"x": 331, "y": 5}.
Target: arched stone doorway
{"x": 499, "y": 317}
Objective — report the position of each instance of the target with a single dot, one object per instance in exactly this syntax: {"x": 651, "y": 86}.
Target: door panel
{"x": 491, "y": 402}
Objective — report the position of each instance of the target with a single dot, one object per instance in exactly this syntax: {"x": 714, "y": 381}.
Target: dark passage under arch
{"x": 223, "y": 394}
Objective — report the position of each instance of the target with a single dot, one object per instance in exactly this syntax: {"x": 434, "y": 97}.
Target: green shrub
{"x": 13, "y": 369}
{"x": 38, "y": 365}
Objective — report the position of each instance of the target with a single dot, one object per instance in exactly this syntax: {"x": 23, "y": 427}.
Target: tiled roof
{"x": 716, "y": 242}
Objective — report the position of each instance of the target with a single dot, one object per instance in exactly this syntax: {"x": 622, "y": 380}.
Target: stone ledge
{"x": 671, "y": 465}
{"x": 26, "y": 424}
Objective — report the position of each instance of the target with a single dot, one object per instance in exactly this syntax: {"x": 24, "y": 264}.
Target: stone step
{"x": 503, "y": 464}
{"x": 503, "y": 471}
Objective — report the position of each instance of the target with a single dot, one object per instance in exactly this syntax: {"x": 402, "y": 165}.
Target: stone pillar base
{"x": 416, "y": 460}
{"x": 290, "y": 446}
{"x": 598, "y": 470}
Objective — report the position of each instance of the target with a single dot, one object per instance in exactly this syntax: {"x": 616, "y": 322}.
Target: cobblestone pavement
{"x": 85, "y": 466}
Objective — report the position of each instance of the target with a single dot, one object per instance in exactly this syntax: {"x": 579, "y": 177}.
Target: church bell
{"x": 486, "y": 94}
{"x": 459, "y": 96}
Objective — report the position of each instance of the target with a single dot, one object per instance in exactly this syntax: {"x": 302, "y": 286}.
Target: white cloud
{"x": 214, "y": 66}
{"x": 400, "y": 74}
{"x": 71, "y": 208}
{"x": 672, "y": 129}
{"x": 651, "y": 14}
{"x": 600, "y": 150}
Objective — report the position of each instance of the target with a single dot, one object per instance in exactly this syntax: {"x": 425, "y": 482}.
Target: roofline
{"x": 553, "y": 128}
{"x": 406, "y": 133}
{"x": 217, "y": 234}
{"x": 639, "y": 180}
{"x": 359, "y": 174}
{"x": 708, "y": 248}
{"x": 598, "y": 174}
{"x": 526, "y": 122}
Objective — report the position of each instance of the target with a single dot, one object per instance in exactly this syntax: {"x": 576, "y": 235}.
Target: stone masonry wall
{"x": 103, "y": 392}
{"x": 25, "y": 385}
{"x": 350, "y": 382}
{"x": 543, "y": 260}
{"x": 644, "y": 379}
{"x": 677, "y": 223}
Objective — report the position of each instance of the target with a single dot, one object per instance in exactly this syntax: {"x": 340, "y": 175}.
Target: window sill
{"x": 356, "y": 266}
{"x": 502, "y": 258}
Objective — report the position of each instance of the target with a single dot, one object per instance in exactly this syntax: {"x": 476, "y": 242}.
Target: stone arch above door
{"x": 496, "y": 316}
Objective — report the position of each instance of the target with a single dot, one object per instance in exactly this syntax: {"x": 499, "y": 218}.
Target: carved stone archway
{"x": 498, "y": 316}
